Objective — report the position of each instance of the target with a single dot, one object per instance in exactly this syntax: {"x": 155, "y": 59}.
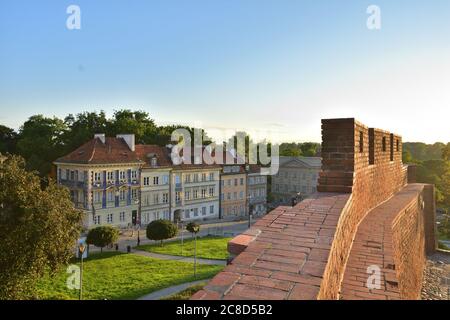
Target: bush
{"x": 102, "y": 236}
{"x": 161, "y": 230}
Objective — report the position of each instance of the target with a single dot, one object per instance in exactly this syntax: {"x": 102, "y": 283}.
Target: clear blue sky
{"x": 271, "y": 67}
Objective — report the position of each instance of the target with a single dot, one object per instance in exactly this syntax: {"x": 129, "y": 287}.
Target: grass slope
{"x": 113, "y": 275}
{"x": 207, "y": 247}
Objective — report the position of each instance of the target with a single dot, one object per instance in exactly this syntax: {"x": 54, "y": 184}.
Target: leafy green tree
{"x": 8, "y": 140}
{"x": 446, "y": 152}
{"x": 137, "y": 122}
{"x": 160, "y": 230}
{"x": 82, "y": 127}
{"x": 102, "y": 236}
{"x": 38, "y": 227}
{"x": 41, "y": 142}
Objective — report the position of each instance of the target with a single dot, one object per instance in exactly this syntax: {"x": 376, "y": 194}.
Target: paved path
{"x": 179, "y": 258}
{"x": 170, "y": 290}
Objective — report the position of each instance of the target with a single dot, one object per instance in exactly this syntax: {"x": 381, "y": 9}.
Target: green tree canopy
{"x": 102, "y": 236}
{"x": 8, "y": 140}
{"x": 160, "y": 230}
{"x": 39, "y": 228}
{"x": 41, "y": 142}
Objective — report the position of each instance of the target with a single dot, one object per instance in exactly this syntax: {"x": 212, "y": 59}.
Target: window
{"x": 122, "y": 195}
{"x": 187, "y": 195}
{"x": 235, "y": 196}
{"x": 383, "y": 142}
{"x": 203, "y": 193}
{"x": 134, "y": 194}
{"x": 235, "y": 182}
{"x": 229, "y": 182}
{"x": 110, "y": 175}
{"x": 361, "y": 142}
{"x": 110, "y": 195}
{"x": 371, "y": 146}
{"x": 195, "y": 194}
{"x": 97, "y": 196}
{"x": 165, "y": 198}
{"x": 155, "y": 198}
{"x": 109, "y": 218}
{"x": 154, "y": 161}
{"x": 155, "y": 180}
{"x": 211, "y": 209}
{"x": 177, "y": 196}
{"x": 165, "y": 179}
{"x": 391, "y": 147}
{"x": 97, "y": 176}
{"x": 241, "y": 195}
{"x": 211, "y": 176}
{"x": 229, "y": 196}
{"x": 187, "y": 178}
{"x": 122, "y": 175}
{"x": 203, "y": 211}
{"x": 97, "y": 220}
{"x": 195, "y": 212}
{"x": 122, "y": 216}
{"x": 146, "y": 181}
{"x": 187, "y": 214}
{"x": 196, "y": 177}
{"x": 242, "y": 181}
{"x": 133, "y": 174}
{"x": 203, "y": 176}
{"x": 211, "y": 191}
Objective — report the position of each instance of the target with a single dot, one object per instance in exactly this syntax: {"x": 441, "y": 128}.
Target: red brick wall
{"x": 371, "y": 184}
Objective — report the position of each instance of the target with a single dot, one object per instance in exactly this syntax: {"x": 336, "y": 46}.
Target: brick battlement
{"x": 365, "y": 213}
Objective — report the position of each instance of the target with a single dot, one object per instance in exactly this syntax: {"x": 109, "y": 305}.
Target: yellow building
{"x": 233, "y": 191}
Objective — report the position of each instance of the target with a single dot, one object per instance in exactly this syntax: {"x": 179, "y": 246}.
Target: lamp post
{"x": 81, "y": 249}
{"x": 196, "y": 229}
{"x": 181, "y": 238}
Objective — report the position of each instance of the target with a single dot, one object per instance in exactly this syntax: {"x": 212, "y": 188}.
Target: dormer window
{"x": 154, "y": 161}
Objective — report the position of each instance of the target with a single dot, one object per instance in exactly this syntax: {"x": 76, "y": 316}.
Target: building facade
{"x": 295, "y": 175}
{"x": 195, "y": 192}
{"x": 103, "y": 177}
{"x": 155, "y": 193}
{"x": 233, "y": 195}
{"x": 257, "y": 189}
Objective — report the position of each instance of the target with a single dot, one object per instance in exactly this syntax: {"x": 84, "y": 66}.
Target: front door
{"x": 134, "y": 217}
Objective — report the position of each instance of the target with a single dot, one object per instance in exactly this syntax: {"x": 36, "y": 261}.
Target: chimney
{"x": 101, "y": 136}
{"x": 129, "y": 139}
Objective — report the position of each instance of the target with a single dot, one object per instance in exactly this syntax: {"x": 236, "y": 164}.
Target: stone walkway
{"x": 436, "y": 282}
{"x": 178, "y": 258}
{"x": 157, "y": 295}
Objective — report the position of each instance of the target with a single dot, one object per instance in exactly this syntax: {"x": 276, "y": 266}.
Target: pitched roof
{"x": 145, "y": 152}
{"x": 315, "y": 162}
{"x": 114, "y": 150}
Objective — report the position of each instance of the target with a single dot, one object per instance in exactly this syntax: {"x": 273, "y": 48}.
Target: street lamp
{"x": 196, "y": 229}
{"x": 81, "y": 249}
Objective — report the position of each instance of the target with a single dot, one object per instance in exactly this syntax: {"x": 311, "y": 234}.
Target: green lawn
{"x": 186, "y": 293}
{"x": 113, "y": 275}
{"x": 207, "y": 247}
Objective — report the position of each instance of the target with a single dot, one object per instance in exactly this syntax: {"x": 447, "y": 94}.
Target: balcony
{"x": 72, "y": 184}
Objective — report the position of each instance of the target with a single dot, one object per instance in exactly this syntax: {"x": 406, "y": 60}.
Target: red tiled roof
{"x": 144, "y": 152}
{"x": 114, "y": 150}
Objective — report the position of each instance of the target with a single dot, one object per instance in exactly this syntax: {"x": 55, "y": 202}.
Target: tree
{"x": 137, "y": 122}
{"x": 160, "y": 230}
{"x": 446, "y": 152}
{"x": 82, "y": 127}
{"x": 39, "y": 228}
{"x": 41, "y": 142}
{"x": 102, "y": 236}
{"x": 8, "y": 140}
{"x": 193, "y": 227}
